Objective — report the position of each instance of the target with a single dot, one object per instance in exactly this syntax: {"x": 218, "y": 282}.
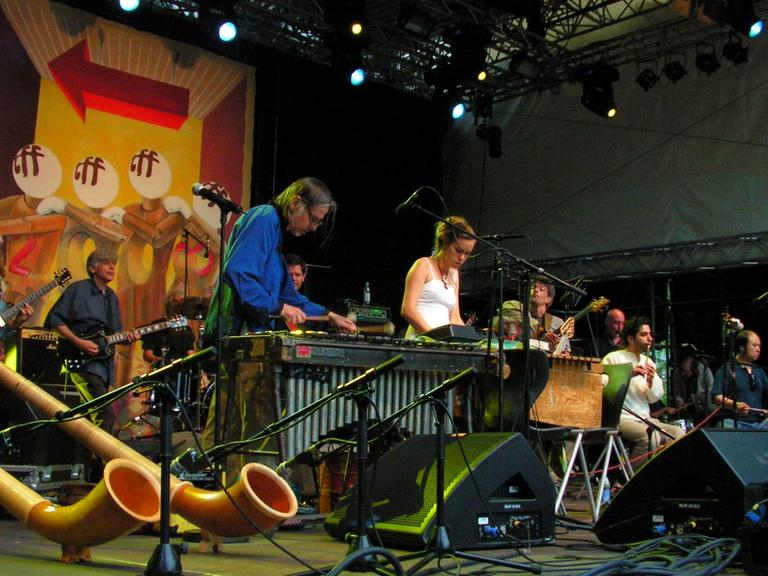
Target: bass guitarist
{"x": 8, "y": 330}
{"x": 87, "y": 307}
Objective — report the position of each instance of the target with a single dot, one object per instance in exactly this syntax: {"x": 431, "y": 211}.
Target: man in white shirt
{"x": 645, "y": 388}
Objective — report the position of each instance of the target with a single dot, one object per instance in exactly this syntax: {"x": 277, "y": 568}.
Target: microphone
{"x": 307, "y": 457}
{"x": 223, "y": 203}
{"x": 371, "y": 373}
{"x": 499, "y": 237}
{"x": 407, "y": 204}
{"x": 448, "y": 383}
{"x": 762, "y": 298}
{"x": 176, "y": 365}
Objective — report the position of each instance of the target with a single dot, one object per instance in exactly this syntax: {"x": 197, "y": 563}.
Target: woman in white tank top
{"x": 431, "y": 296}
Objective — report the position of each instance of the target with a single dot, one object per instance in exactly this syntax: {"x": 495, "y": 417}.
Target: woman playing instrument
{"x": 431, "y": 296}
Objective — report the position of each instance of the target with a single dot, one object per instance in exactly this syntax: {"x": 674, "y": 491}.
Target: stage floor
{"x": 25, "y": 553}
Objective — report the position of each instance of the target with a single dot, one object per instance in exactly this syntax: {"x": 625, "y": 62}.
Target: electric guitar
{"x": 60, "y": 278}
{"x": 595, "y": 306}
{"x": 75, "y": 359}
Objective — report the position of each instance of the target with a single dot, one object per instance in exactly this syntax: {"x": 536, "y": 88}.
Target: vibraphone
{"x": 307, "y": 367}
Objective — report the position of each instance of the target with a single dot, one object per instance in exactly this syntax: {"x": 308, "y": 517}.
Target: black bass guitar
{"x": 75, "y": 359}
{"x": 60, "y": 278}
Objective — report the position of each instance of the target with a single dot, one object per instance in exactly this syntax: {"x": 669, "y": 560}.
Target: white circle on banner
{"x": 37, "y": 171}
{"x": 96, "y": 182}
{"x": 207, "y": 210}
{"x": 150, "y": 173}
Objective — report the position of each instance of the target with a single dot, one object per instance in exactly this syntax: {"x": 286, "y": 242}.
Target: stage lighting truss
{"x": 706, "y": 59}
{"x": 597, "y": 88}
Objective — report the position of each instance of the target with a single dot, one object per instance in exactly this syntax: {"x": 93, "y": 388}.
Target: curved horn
{"x": 264, "y": 496}
{"x": 127, "y": 497}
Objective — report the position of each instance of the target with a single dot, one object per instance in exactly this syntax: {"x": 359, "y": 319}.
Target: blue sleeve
{"x": 253, "y": 267}
{"x": 290, "y": 296}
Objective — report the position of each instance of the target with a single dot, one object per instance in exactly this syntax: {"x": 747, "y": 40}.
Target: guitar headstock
{"x": 598, "y": 304}
{"x": 62, "y": 277}
{"x": 178, "y": 322}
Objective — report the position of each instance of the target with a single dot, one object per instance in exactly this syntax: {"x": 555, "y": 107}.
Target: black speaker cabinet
{"x": 38, "y": 360}
{"x": 39, "y": 363}
{"x": 704, "y": 483}
{"x": 514, "y": 494}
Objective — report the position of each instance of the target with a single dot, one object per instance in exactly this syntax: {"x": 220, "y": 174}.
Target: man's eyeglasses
{"x": 314, "y": 220}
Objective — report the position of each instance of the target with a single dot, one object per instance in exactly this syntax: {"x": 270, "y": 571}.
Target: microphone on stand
{"x": 223, "y": 203}
{"x": 407, "y": 204}
{"x": 499, "y": 237}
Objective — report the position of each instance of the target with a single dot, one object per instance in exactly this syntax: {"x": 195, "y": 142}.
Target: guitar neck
{"x": 121, "y": 337}
{"x": 9, "y": 313}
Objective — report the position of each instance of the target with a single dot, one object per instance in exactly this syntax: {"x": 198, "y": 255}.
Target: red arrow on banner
{"x": 88, "y": 85}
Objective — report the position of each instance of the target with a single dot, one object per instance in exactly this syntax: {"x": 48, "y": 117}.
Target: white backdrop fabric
{"x": 682, "y": 162}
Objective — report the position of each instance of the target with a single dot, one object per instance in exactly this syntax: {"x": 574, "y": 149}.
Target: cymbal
{"x": 195, "y": 307}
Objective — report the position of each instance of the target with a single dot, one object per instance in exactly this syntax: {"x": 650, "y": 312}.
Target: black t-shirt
{"x": 175, "y": 342}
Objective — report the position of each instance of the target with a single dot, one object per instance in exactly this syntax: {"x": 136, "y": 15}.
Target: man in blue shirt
{"x": 256, "y": 289}
{"x": 743, "y": 385}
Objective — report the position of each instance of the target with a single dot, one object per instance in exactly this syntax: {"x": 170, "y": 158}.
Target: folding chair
{"x": 614, "y": 393}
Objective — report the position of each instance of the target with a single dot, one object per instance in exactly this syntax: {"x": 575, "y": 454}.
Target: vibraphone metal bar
{"x": 308, "y": 367}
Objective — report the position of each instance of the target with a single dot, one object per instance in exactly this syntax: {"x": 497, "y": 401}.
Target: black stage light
{"x": 597, "y": 90}
{"x": 706, "y": 60}
{"x": 674, "y": 70}
{"x": 525, "y": 65}
{"x": 647, "y": 79}
{"x": 413, "y": 19}
{"x": 735, "y": 51}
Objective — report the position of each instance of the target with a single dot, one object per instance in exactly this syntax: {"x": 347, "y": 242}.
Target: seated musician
{"x": 645, "y": 387}
{"x": 547, "y": 331}
{"x": 741, "y": 387}
{"x": 255, "y": 286}
{"x": 431, "y": 296}
{"x": 84, "y": 308}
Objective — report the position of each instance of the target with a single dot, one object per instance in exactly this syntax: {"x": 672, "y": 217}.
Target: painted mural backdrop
{"x": 103, "y": 132}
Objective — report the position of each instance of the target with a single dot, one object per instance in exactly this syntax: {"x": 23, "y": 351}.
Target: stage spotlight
{"x": 524, "y": 65}
{"x": 467, "y": 42}
{"x": 458, "y": 110}
{"x": 492, "y": 135}
{"x": 735, "y": 51}
{"x": 706, "y": 60}
{"x": 647, "y": 79}
{"x": 357, "y": 77}
{"x": 674, "y": 70}
{"x": 597, "y": 90}
{"x": 415, "y": 20}
{"x": 129, "y": 5}
{"x": 345, "y": 15}
{"x": 227, "y": 31}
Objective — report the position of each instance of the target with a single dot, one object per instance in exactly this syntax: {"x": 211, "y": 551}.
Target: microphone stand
{"x": 526, "y": 268}
{"x": 218, "y": 344}
{"x": 165, "y": 559}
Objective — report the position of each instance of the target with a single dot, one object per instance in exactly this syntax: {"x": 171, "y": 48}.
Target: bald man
{"x": 611, "y": 338}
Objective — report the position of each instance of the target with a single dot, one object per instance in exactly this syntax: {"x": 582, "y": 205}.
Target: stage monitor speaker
{"x": 704, "y": 483}
{"x": 38, "y": 360}
{"x": 514, "y": 494}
